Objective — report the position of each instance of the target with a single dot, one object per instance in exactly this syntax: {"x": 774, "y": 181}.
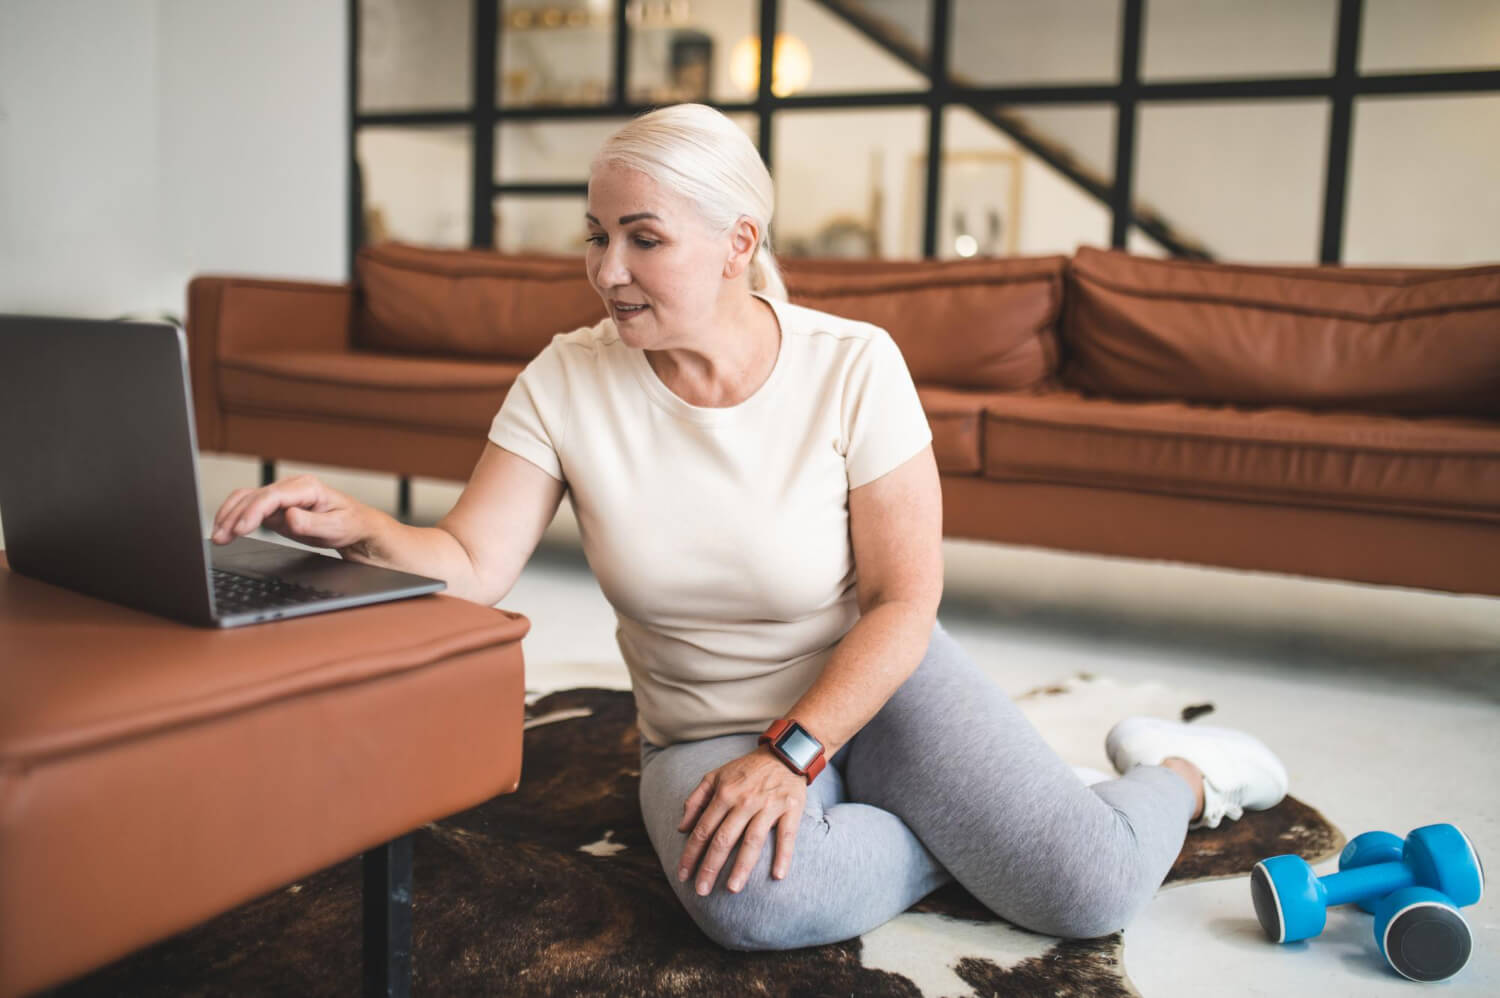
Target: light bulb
{"x": 791, "y": 65}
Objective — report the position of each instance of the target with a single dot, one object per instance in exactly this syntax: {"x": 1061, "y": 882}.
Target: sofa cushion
{"x": 957, "y": 421}
{"x": 417, "y": 392}
{"x": 1407, "y": 341}
{"x": 472, "y": 303}
{"x": 1352, "y": 461}
{"x": 987, "y": 324}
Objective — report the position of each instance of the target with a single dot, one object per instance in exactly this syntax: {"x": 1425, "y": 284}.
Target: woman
{"x": 757, "y": 496}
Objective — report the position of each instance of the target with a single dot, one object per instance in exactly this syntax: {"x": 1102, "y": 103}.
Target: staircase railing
{"x": 1059, "y": 157}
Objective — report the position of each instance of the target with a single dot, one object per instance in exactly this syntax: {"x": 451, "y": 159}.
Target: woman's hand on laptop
{"x": 300, "y": 508}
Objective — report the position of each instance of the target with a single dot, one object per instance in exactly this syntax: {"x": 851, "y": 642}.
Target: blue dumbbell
{"x": 1414, "y": 888}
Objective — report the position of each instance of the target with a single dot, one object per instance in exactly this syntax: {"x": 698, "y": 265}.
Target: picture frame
{"x": 979, "y": 203}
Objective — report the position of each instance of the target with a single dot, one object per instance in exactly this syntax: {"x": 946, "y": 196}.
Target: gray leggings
{"x": 949, "y": 780}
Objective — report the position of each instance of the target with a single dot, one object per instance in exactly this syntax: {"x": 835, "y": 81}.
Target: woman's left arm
{"x": 896, "y": 528}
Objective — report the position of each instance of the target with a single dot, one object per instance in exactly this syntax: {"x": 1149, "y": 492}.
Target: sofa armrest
{"x": 234, "y": 316}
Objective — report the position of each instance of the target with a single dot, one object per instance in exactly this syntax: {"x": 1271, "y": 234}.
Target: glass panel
{"x": 1034, "y": 41}
{"x": 843, "y": 182}
{"x": 1422, "y": 181}
{"x": 822, "y": 49}
{"x": 417, "y": 184}
{"x": 999, "y": 199}
{"x": 540, "y": 225}
{"x": 560, "y": 151}
{"x": 555, "y": 52}
{"x": 1214, "y": 39}
{"x": 684, "y": 51}
{"x": 1141, "y": 244}
{"x": 549, "y": 152}
{"x": 1402, "y": 36}
{"x": 415, "y": 55}
{"x": 1208, "y": 172}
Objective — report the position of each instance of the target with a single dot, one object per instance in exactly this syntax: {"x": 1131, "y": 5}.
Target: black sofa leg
{"x": 403, "y": 499}
{"x": 267, "y": 472}
{"x": 387, "y": 919}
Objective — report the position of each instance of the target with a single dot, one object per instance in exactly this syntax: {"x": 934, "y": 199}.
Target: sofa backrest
{"x": 985, "y": 324}
{"x": 1415, "y": 341}
{"x": 477, "y": 303}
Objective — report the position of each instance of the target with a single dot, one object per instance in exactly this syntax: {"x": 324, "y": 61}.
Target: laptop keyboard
{"x": 244, "y": 594}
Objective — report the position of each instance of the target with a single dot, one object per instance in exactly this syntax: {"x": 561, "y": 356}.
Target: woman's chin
{"x": 635, "y": 334}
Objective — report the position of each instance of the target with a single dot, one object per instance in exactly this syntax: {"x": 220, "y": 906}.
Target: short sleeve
{"x": 532, "y": 422}
{"x": 884, "y": 423}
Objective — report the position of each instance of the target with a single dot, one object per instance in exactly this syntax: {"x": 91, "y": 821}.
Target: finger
{"x": 753, "y": 844}
{"x": 291, "y": 493}
{"x": 234, "y": 511}
{"x": 694, "y": 804}
{"x": 786, "y": 839}
{"x": 698, "y": 838}
{"x": 230, "y": 502}
{"x": 723, "y": 842}
{"x": 230, "y": 516}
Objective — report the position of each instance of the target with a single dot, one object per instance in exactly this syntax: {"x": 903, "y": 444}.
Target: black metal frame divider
{"x": 1341, "y": 87}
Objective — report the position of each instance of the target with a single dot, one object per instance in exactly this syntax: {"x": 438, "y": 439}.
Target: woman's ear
{"x": 744, "y": 237}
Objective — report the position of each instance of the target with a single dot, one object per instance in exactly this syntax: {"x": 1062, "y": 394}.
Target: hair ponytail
{"x": 765, "y": 273}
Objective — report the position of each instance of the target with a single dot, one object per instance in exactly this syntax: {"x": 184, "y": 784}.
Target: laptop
{"x": 99, "y": 485}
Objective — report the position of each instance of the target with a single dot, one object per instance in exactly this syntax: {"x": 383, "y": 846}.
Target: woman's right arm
{"x": 478, "y": 549}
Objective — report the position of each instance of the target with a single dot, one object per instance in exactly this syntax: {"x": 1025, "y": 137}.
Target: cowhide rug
{"x": 555, "y": 890}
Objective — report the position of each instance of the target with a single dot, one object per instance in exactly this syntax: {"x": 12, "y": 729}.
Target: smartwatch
{"x": 794, "y": 746}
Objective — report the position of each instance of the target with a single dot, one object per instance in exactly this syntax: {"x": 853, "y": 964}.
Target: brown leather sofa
{"x": 1321, "y": 421}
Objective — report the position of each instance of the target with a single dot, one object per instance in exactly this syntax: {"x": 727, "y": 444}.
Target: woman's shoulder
{"x": 599, "y": 336}
{"x": 814, "y": 324}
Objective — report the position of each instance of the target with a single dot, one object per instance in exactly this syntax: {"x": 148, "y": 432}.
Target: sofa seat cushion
{"x": 1418, "y": 341}
{"x": 367, "y": 387}
{"x": 1449, "y": 466}
{"x": 957, "y": 421}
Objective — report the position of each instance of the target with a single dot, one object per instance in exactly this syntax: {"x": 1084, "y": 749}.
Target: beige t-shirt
{"x": 719, "y": 535}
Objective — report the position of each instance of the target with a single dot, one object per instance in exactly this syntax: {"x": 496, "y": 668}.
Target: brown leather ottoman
{"x": 153, "y": 774}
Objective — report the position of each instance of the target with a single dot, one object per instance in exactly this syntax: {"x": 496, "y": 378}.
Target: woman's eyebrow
{"x": 627, "y": 219}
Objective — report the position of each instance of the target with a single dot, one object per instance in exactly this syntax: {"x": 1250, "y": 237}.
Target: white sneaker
{"x": 1239, "y": 771}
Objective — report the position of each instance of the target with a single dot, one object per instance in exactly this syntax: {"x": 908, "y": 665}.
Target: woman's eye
{"x": 645, "y": 243}
{"x": 596, "y": 240}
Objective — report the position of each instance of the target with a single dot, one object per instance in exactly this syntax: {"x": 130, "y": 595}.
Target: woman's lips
{"x": 624, "y": 311}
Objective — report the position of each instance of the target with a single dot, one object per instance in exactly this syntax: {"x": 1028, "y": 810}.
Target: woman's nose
{"x": 612, "y": 272}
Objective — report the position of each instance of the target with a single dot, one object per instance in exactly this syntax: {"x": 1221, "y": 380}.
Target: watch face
{"x": 799, "y": 746}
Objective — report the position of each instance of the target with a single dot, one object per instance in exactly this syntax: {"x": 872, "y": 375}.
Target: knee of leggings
{"x": 1081, "y": 910}
{"x": 750, "y": 920}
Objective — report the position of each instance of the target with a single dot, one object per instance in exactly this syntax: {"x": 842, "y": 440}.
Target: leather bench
{"x": 153, "y": 775}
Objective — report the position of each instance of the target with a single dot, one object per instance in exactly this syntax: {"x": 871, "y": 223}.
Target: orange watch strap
{"x": 778, "y": 728}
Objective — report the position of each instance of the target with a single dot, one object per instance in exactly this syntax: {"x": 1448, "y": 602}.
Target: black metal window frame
{"x": 1341, "y": 88}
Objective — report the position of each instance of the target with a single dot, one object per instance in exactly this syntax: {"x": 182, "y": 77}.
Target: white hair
{"x": 698, "y": 153}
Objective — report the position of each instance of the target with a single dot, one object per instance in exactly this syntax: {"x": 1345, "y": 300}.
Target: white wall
{"x": 79, "y": 126}
{"x": 144, "y": 141}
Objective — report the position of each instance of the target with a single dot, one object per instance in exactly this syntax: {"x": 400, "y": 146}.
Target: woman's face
{"x": 653, "y": 259}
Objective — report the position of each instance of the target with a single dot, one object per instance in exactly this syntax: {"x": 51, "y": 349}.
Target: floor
{"x": 1384, "y": 704}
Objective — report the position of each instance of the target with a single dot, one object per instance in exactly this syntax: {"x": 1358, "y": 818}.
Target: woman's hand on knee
{"x": 741, "y": 801}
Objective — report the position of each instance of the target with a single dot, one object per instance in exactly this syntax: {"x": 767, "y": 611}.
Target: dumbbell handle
{"x": 1365, "y": 882}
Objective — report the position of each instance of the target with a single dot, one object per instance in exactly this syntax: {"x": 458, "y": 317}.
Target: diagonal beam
{"x": 877, "y": 30}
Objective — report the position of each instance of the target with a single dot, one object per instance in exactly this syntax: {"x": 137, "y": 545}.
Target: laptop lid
{"x": 98, "y": 462}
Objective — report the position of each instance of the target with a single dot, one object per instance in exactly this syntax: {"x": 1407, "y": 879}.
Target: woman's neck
{"x": 735, "y": 357}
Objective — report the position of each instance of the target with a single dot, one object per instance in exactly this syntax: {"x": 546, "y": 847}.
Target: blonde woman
{"x": 757, "y": 496}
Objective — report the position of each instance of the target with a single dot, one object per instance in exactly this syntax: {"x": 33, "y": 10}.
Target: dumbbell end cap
{"x": 1428, "y": 942}
{"x": 1267, "y": 904}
